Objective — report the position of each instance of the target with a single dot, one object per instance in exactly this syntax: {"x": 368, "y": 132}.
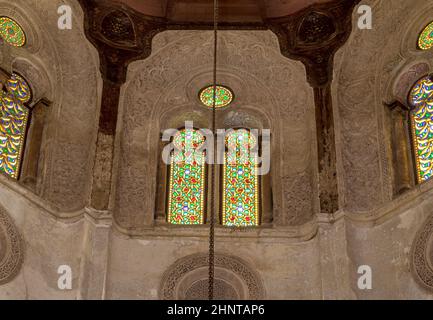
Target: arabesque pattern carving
{"x": 299, "y": 204}
{"x": 11, "y": 249}
{"x": 365, "y": 175}
{"x": 311, "y": 35}
{"x": 156, "y": 90}
{"x": 172, "y": 277}
{"x": 422, "y": 255}
{"x": 222, "y": 291}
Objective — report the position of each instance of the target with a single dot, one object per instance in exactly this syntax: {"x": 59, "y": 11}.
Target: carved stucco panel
{"x": 268, "y": 86}
{"x": 364, "y": 68}
{"x": 234, "y": 277}
{"x": 11, "y": 249}
{"x": 422, "y": 255}
{"x": 64, "y": 69}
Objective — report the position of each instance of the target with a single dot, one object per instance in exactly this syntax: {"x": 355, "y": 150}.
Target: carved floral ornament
{"x": 187, "y": 279}
{"x": 11, "y": 249}
{"x": 422, "y": 255}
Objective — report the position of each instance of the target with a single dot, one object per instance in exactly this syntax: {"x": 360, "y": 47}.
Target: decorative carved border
{"x": 13, "y": 258}
{"x": 404, "y": 81}
{"x": 177, "y": 271}
{"x": 421, "y": 262}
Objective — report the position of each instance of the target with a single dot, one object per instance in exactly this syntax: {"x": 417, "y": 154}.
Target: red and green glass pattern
{"x": 425, "y": 40}
{"x": 13, "y": 126}
{"x": 421, "y": 99}
{"x": 224, "y": 96}
{"x": 11, "y": 32}
{"x": 187, "y": 179}
{"x": 240, "y": 181}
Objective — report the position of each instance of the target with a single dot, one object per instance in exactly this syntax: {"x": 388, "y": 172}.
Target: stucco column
{"x": 313, "y": 37}
{"x": 95, "y": 255}
{"x": 401, "y": 148}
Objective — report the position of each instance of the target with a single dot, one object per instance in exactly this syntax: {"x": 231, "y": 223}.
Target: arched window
{"x": 11, "y": 32}
{"x": 187, "y": 179}
{"x": 237, "y": 182}
{"x": 240, "y": 183}
{"x": 240, "y": 189}
{"x": 14, "y": 115}
{"x": 425, "y": 39}
{"x": 421, "y": 101}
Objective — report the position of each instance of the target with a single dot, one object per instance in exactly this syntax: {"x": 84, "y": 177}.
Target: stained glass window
{"x": 224, "y": 96}
{"x": 13, "y": 124}
{"x": 425, "y": 40}
{"x": 421, "y": 99}
{"x": 187, "y": 179}
{"x": 240, "y": 180}
{"x": 11, "y": 32}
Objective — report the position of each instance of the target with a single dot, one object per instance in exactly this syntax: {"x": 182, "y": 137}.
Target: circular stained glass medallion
{"x": 425, "y": 39}
{"x": 11, "y": 32}
{"x": 224, "y": 96}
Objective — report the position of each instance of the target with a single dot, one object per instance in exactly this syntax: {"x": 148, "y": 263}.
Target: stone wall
{"x": 61, "y": 66}
{"x": 303, "y": 254}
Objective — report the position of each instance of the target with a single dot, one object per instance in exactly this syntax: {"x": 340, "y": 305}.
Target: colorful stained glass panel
{"x": 11, "y": 32}
{"x": 425, "y": 40}
{"x": 240, "y": 181}
{"x": 13, "y": 126}
{"x": 421, "y": 99}
{"x": 187, "y": 179}
{"x": 19, "y": 88}
{"x": 224, "y": 96}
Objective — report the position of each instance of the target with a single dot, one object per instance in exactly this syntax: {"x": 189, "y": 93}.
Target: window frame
{"x": 28, "y": 121}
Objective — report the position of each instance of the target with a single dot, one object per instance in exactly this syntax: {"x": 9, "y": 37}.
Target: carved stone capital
{"x": 120, "y": 34}
{"x": 313, "y": 35}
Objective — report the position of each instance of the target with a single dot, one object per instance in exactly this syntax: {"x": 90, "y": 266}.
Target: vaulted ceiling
{"x": 230, "y": 10}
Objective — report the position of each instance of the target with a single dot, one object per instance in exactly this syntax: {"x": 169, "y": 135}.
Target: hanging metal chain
{"x": 213, "y": 198}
